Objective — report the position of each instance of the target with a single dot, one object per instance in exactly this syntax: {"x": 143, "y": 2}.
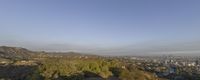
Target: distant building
{"x": 172, "y": 70}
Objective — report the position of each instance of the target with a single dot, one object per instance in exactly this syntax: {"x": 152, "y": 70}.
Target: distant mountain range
{"x": 22, "y": 53}
{"x": 15, "y": 52}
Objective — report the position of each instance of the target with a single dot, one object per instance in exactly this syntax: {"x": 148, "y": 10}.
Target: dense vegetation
{"x": 98, "y": 69}
{"x": 74, "y": 69}
{"x": 46, "y": 66}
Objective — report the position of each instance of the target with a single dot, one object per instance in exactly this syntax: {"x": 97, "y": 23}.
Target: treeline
{"x": 75, "y": 69}
{"x": 21, "y": 64}
{"x": 87, "y": 69}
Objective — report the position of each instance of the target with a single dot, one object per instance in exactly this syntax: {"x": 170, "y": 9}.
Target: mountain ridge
{"x": 23, "y": 53}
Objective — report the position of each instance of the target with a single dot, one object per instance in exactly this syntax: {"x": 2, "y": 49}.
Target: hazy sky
{"x": 101, "y": 25}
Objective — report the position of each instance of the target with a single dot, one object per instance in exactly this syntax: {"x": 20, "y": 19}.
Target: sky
{"x": 114, "y": 27}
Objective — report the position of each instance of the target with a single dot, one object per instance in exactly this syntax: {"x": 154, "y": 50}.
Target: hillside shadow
{"x": 115, "y": 71}
{"x": 85, "y": 75}
{"x": 19, "y": 72}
